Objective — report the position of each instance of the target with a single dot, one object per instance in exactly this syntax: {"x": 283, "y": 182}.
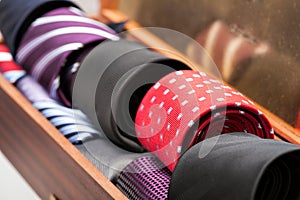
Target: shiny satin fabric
{"x": 46, "y": 67}
{"x": 8, "y": 68}
{"x": 48, "y": 42}
{"x": 112, "y": 80}
{"x": 17, "y": 15}
{"x": 238, "y": 166}
{"x": 93, "y": 144}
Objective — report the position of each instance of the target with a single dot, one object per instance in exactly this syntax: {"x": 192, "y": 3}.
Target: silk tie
{"x": 63, "y": 37}
{"x": 230, "y": 48}
{"x": 239, "y": 166}
{"x": 51, "y": 38}
{"x": 186, "y": 107}
{"x": 111, "y": 82}
{"x": 76, "y": 131}
{"x": 145, "y": 178}
{"x": 94, "y": 145}
{"x": 10, "y": 70}
{"x": 17, "y": 15}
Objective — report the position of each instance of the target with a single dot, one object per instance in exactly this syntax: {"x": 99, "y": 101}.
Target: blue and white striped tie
{"x": 76, "y": 129}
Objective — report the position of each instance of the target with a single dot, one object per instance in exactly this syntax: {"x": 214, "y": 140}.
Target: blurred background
{"x": 255, "y": 43}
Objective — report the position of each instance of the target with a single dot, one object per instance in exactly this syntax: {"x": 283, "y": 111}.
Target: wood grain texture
{"x": 109, "y": 4}
{"x": 48, "y": 161}
{"x": 282, "y": 129}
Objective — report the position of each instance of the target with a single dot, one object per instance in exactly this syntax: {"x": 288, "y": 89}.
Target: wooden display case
{"x": 51, "y": 165}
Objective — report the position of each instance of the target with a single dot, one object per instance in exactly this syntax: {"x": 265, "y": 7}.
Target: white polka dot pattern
{"x": 186, "y": 107}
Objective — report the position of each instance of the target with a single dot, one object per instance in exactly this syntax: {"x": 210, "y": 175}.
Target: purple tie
{"x": 145, "y": 178}
{"x": 51, "y": 38}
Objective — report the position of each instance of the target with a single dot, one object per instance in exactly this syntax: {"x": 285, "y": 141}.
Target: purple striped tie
{"x": 52, "y": 38}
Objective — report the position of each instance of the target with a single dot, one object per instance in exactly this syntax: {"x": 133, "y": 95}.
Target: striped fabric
{"x": 8, "y": 68}
{"x": 50, "y": 39}
{"x": 72, "y": 123}
{"x": 76, "y": 130}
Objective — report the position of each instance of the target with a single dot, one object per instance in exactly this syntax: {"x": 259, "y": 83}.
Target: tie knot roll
{"x": 5, "y": 53}
{"x": 185, "y": 107}
{"x": 16, "y": 16}
{"x": 52, "y": 38}
{"x": 11, "y": 71}
{"x": 112, "y": 81}
{"x": 93, "y": 144}
{"x": 238, "y": 166}
{"x": 6, "y": 60}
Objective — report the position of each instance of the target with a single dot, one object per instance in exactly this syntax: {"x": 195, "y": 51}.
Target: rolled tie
{"x": 51, "y": 38}
{"x": 60, "y": 116}
{"x": 60, "y": 42}
{"x": 17, "y": 15}
{"x": 8, "y": 68}
{"x": 238, "y": 166}
{"x": 93, "y": 144}
{"x": 145, "y": 178}
{"x": 111, "y": 82}
{"x": 185, "y": 107}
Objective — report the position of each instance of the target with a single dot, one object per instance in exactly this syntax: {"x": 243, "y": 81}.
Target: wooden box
{"x": 51, "y": 165}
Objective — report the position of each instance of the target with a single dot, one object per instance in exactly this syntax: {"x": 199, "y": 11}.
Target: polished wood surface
{"x": 282, "y": 129}
{"x": 109, "y": 4}
{"x": 45, "y": 158}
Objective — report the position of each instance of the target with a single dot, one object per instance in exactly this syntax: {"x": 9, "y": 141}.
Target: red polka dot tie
{"x": 186, "y": 107}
